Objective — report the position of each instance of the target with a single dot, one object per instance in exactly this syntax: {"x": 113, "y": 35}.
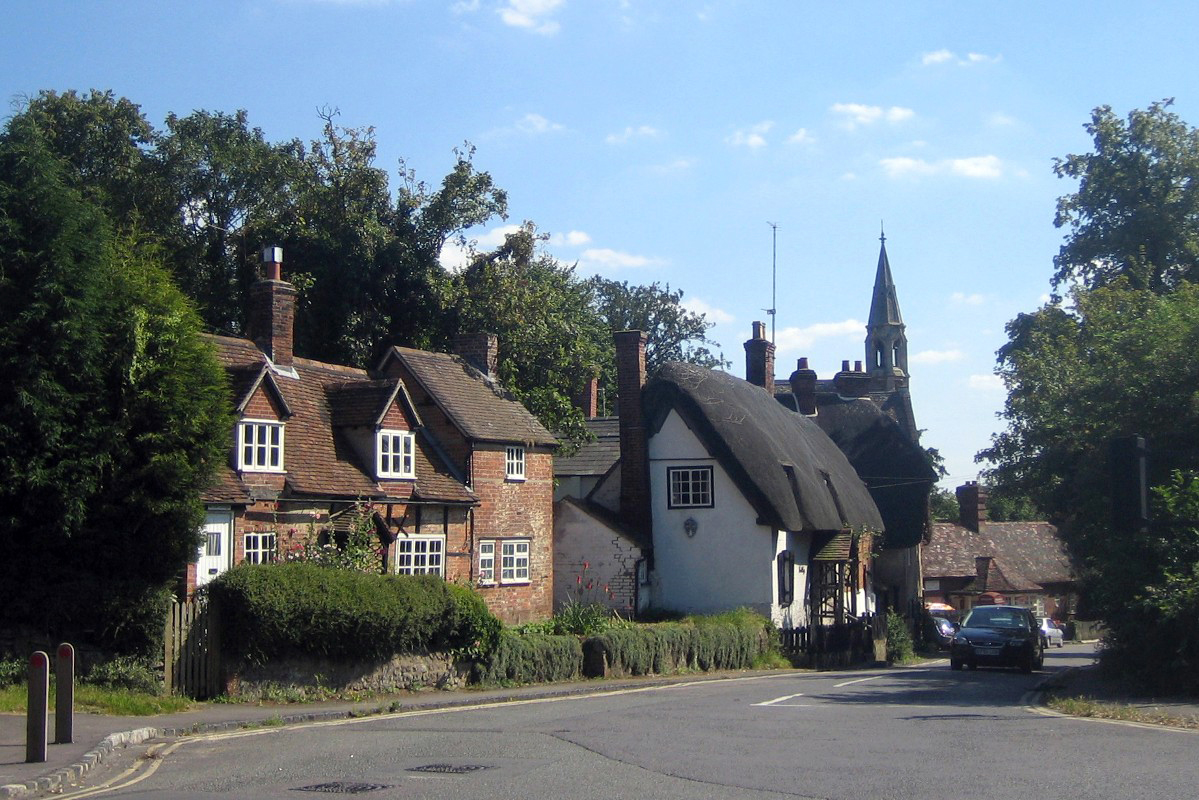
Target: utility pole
{"x": 774, "y": 232}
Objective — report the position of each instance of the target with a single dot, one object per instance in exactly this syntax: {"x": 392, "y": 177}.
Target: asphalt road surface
{"x": 922, "y": 732}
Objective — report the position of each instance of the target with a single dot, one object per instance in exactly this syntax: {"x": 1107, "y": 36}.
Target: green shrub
{"x": 12, "y": 672}
{"x": 899, "y": 639}
{"x": 474, "y": 630}
{"x": 582, "y": 619}
{"x": 531, "y": 658}
{"x": 125, "y": 672}
{"x": 736, "y": 640}
{"x": 274, "y": 611}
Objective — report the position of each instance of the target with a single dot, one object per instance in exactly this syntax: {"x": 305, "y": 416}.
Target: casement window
{"x": 397, "y": 454}
{"x": 260, "y": 548}
{"x": 260, "y": 446}
{"x": 689, "y": 487}
{"x": 420, "y": 555}
{"x": 513, "y": 564}
{"x": 785, "y": 562}
{"x": 514, "y": 463}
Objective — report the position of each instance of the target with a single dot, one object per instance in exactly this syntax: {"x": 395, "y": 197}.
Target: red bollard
{"x": 64, "y": 695}
{"x": 39, "y": 698}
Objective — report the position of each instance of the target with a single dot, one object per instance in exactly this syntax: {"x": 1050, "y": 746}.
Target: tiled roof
{"x": 999, "y": 577}
{"x": 1029, "y": 549}
{"x": 478, "y": 406}
{"x": 318, "y": 457}
{"x": 360, "y": 403}
{"x": 593, "y": 458}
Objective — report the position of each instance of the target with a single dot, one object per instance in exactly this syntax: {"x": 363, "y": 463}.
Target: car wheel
{"x": 1028, "y": 663}
{"x": 1061, "y": 643}
{"x": 955, "y": 664}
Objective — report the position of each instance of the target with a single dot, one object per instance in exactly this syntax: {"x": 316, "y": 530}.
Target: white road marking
{"x": 778, "y": 700}
{"x": 858, "y": 680}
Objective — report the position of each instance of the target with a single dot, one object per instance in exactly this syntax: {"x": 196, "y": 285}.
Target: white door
{"x": 216, "y": 552}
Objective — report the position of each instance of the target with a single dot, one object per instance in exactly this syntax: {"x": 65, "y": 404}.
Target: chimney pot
{"x": 857, "y": 366}
{"x": 272, "y": 259}
{"x": 803, "y": 387}
{"x": 845, "y": 365}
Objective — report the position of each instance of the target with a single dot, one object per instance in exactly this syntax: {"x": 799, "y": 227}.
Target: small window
{"x": 396, "y": 454}
{"x": 420, "y": 555}
{"x": 260, "y": 446}
{"x": 260, "y": 548}
{"x": 786, "y": 577}
{"x": 514, "y": 463}
{"x": 690, "y": 487}
{"x": 514, "y": 561}
{"x": 487, "y": 561}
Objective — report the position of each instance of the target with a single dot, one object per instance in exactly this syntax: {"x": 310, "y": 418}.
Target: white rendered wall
{"x": 730, "y": 561}
{"x": 593, "y": 563}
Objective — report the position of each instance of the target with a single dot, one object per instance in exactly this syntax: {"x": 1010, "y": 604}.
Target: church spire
{"x": 886, "y": 344}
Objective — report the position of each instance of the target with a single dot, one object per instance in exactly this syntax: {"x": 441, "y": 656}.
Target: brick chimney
{"x": 803, "y": 387}
{"x": 634, "y": 445}
{"x": 587, "y": 400}
{"x": 982, "y": 568}
{"x": 759, "y": 359}
{"x": 273, "y": 310}
{"x": 481, "y": 350}
{"x": 852, "y": 383}
{"x": 972, "y": 505}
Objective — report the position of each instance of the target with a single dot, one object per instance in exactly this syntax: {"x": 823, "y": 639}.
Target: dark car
{"x": 942, "y": 632}
{"x": 998, "y": 636}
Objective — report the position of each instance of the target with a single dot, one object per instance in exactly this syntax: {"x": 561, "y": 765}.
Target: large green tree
{"x": 113, "y": 413}
{"x": 1135, "y": 214}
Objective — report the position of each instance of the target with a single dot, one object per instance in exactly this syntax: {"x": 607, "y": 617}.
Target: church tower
{"x": 886, "y": 344}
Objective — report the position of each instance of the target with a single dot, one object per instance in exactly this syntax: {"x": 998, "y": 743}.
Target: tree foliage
{"x": 113, "y": 412}
{"x": 1136, "y": 212}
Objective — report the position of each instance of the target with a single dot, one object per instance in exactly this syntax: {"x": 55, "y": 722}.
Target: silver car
{"x": 1051, "y": 633}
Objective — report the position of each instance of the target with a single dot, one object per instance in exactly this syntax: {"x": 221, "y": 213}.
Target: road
{"x": 921, "y": 732}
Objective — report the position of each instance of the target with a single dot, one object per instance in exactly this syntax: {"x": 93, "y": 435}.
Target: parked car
{"x": 1052, "y": 633}
{"x": 998, "y": 636}
{"x": 943, "y": 632}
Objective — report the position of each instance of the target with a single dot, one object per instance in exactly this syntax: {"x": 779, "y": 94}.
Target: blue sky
{"x": 655, "y": 140}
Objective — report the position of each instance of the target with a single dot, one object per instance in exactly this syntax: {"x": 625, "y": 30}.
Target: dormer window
{"x": 259, "y": 446}
{"x": 514, "y": 463}
{"x": 397, "y": 454}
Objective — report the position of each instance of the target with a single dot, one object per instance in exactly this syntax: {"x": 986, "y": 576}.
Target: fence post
{"x": 38, "y": 700}
{"x": 64, "y": 694}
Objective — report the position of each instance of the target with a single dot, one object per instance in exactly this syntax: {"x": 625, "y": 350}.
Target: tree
{"x": 1136, "y": 212}
{"x": 551, "y": 338}
{"x": 113, "y": 415}
{"x": 943, "y": 505}
{"x": 673, "y": 332}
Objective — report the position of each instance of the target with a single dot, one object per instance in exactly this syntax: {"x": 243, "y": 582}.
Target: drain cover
{"x": 450, "y": 769}
{"x": 344, "y": 787}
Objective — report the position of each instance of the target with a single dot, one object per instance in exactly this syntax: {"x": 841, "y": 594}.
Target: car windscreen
{"x": 996, "y": 618}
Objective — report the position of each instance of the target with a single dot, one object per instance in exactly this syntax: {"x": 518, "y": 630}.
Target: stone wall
{"x": 402, "y": 673}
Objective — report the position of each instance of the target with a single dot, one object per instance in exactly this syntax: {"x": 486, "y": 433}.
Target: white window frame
{"x": 514, "y": 560}
{"x": 487, "y": 574}
{"x": 260, "y": 547}
{"x": 255, "y": 450}
{"x": 420, "y": 554}
{"x": 514, "y": 463}
{"x": 396, "y": 454}
{"x": 687, "y": 491}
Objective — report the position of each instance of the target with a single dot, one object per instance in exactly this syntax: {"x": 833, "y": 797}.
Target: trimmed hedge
{"x": 731, "y": 641}
{"x": 531, "y": 658}
{"x": 273, "y": 611}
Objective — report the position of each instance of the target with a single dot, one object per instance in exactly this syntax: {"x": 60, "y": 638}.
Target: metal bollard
{"x": 39, "y": 697}
{"x": 64, "y": 694}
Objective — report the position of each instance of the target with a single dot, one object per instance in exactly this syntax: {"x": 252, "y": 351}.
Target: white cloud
{"x": 962, "y": 299}
{"x": 531, "y": 15}
{"x": 856, "y": 114}
{"x": 454, "y": 256}
{"x": 752, "y": 137}
{"x": 570, "y": 239}
{"x": 1000, "y": 120}
{"x": 949, "y": 57}
{"x": 801, "y": 136}
{"x": 536, "y": 124}
{"x": 465, "y": 7}
{"x": 985, "y": 383}
{"x": 982, "y": 167}
{"x": 799, "y": 339}
{"x": 936, "y": 357}
{"x": 602, "y": 258}
{"x": 630, "y": 133}
{"x": 678, "y": 165}
{"x": 713, "y": 314}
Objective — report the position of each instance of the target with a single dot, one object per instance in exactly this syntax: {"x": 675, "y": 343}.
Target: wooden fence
{"x": 831, "y": 646}
{"x": 192, "y": 657}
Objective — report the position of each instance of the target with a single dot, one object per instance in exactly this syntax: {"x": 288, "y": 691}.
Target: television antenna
{"x": 774, "y": 233}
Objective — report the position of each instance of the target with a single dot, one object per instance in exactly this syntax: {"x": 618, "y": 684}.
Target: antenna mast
{"x": 774, "y": 232}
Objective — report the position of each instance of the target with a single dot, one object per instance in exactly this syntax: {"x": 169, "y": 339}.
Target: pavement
{"x": 96, "y": 736}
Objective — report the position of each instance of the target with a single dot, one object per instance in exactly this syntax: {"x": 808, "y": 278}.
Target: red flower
{"x": 586, "y": 565}
{"x": 578, "y": 579}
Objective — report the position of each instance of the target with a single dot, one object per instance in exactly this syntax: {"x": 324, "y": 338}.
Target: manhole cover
{"x": 450, "y": 769}
{"x": 344, "y": 787}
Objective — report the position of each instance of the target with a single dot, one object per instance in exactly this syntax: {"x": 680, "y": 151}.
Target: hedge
{"x": 531, "y": 658}
{"x": 722, "y": 642}
{"x": 273, "y": 611}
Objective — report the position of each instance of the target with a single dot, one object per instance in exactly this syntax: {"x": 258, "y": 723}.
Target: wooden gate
{"x": 192, "y": 658}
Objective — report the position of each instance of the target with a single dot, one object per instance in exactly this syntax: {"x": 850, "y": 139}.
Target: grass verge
{"x": 97, "y": 700}
{"x": 1086, "y": 707}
